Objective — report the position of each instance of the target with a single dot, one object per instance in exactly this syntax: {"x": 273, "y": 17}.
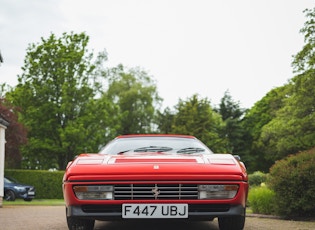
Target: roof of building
{"x": 4, "y": 122}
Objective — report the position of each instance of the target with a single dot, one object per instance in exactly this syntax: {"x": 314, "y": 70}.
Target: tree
{"x": 256, "y": 155}
{"x": 15, "y": 135}
{"x": 305, "y": 59}
{"x": 135, "y": 94}
{"x": 57, "y": 94}
{"x": 165, "y": 120}
{"x": 293, "y": 129}
{"x": 196, "y": 117}
{"x": 232, "y": 115}
{"x": 283, "y": 122}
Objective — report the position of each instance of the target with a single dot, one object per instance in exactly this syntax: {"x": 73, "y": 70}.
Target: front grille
{"x": 156, "y": 192}
{"x": 30, "y": 189}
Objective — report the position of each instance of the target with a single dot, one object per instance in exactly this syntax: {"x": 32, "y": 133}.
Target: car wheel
{"x": 232, "y": 223}
{"x": 9, "y": 195}
{"x": 28, "y": 199}
{"x": 75, "y": 223}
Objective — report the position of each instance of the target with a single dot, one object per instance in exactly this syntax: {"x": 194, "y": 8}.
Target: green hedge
{"x": 257, "y": 178}
{"x": 293, "y": 181}
{"x": 48, "y": 184}
{"x": 262, "y": 200}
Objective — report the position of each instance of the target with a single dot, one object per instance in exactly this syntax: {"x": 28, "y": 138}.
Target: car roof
{"x": 155, "y": 135}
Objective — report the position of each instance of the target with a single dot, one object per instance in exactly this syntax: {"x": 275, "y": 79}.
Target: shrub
{"x": 47, "y": 184}
{"x": 257, "y": 178}
{"x": 262, "y": 200}
{"x": 293, "y": 180}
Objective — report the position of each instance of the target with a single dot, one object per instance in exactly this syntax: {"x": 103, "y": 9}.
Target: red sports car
{"x": 155, "y": 177}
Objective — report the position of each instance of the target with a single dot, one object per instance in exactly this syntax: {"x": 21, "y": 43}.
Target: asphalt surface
{"x": 53, "y": 218}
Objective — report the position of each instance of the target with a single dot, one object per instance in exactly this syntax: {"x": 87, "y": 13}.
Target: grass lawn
{"x": 44, "y": 202}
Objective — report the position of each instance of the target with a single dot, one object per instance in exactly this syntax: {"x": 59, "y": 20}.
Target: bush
{"x": 257, "y": 178}
{"x": 262, "y": 200}
{"x": 47, "y": 184}
{"x": 293, "y": 180}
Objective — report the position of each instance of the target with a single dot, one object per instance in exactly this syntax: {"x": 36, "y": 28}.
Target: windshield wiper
{"x": 191, "y": 150}
{"x": 153, "y": 149}
{"x": 122, "y": 152}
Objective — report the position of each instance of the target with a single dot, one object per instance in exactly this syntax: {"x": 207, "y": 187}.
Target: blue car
{"x": 13, "y": 190}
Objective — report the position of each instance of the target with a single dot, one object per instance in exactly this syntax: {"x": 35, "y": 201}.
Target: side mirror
{"x": 237, "y": 157}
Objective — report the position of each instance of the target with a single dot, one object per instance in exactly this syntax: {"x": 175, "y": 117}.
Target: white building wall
{"x": 2, "y": 153}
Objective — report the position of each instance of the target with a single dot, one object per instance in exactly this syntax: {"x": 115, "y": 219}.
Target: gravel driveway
{"x": 53, "y": 218}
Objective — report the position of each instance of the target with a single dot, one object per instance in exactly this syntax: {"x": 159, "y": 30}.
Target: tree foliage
{"x": 293, "y": 180}
{"x": 233, "y": 131}
{"x": 196, "y": 117}
{"x": 305, "y": 59}
{"x": 16, "y": 135}
{"x": 256, "y": 151}
{"x": 293, "y": 128}
{"x": 283, "y": 122}
{"x": 135, "y": 94}
{"x": 165, "y": 120}
{"x": 56, "y": 93}
{"x": 72, "y": 104}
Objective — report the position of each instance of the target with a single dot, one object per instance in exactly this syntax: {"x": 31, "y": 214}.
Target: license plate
{"x": 31, "y": 193}
{"x": 154, "y": 211}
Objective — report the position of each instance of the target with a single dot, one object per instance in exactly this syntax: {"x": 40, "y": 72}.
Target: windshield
{"x": 8, "y": 181}
{"x": 171, "y": 145}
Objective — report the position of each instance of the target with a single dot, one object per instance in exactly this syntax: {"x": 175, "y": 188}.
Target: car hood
{"x": 17, "y": 185}
{"x": 140, "y": 166}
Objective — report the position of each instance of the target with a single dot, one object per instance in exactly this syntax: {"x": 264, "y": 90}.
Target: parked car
{"x": 14, "y": 189}
{"x": 155, "y": 177}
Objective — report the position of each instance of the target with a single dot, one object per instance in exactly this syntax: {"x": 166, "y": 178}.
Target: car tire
{"x": 9, "y": 195}
{"x": 28, "y": 199}
{"x": 232, "y": 223}
{"x": 75, "y": 223}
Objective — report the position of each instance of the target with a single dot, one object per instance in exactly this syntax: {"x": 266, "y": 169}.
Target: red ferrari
{"x": 155, "y": 176}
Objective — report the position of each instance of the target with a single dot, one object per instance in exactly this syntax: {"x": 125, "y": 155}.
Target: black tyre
{"x": 232, "y": 223}
{"x": 28, "y": 199}
{"x": 75, "y": 223}
{"x": 9, "y": 195}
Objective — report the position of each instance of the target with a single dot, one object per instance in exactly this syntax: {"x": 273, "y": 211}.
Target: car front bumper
{"x": 195, "y": 211}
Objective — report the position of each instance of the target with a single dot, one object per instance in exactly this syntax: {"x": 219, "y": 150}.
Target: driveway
{"x": 53, "y": 218}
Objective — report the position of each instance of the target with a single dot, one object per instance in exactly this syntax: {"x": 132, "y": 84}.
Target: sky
{"x": 203, "y": 47}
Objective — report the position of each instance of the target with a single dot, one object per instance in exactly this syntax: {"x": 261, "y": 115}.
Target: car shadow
{"x": 156, "y": 225}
